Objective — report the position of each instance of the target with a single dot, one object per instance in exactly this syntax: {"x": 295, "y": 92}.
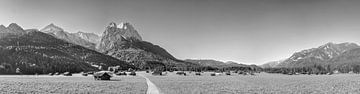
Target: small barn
{"x": 67, "y": 74}
{"x": 157, "y": 73}
{"x": 102, "y": 75}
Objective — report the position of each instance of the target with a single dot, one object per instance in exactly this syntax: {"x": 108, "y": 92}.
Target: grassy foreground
{"x": 262, "y": 83}
{"x": 69, "y": 85}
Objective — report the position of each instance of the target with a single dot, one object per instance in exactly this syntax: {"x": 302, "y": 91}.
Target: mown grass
{"x": 71, "y": 85}
{"x": 262, "y": 83}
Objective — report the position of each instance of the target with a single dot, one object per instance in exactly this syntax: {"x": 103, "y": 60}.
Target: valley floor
{"x": 44, "y": 84}
{"x": 262, "y": 83}
{"x": 190, "y": 84}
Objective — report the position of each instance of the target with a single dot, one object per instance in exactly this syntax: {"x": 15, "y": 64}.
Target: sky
{"x": 244, "y": 31}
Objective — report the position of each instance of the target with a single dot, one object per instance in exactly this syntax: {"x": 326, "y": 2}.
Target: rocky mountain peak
{"x": 125, "y": 26}
{"x": 128, "y": 26}
{"x": 124, "y": 43}
{"x": 122, "y": 31}
{"x": 112, "y": 24}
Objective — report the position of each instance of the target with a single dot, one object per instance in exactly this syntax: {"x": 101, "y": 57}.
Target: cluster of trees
{"x": 315, "y": 69}
{"x": 202, "y": 68}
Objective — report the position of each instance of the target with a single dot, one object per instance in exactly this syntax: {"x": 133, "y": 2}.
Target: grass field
{"x": 262, "y": 83}
{"x": 69, "y": 85}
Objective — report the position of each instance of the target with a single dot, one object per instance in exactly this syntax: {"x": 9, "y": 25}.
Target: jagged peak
{"x": 127, "y": 31}
{"x": 121, "y": 25}
{"x": 127, "y": 25}
{"x": 112, "y": 24}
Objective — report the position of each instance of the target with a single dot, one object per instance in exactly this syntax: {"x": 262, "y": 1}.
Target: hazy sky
{"x": 245, "y": 31}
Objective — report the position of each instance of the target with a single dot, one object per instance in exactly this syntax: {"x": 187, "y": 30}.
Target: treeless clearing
{"x": 261, "y": 83}
{"x": 72, "y": 84}
{"x": 190, "y": 84}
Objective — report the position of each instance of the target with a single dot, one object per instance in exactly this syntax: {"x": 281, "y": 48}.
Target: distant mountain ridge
{"x": 220, "y": 64}
{"x": 87, "y": 40}
{"x": 271, "y": 64}
{"x": 33, "y": 51}
{"x": 328, "y": 54}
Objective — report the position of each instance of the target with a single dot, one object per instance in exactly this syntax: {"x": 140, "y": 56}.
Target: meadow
{"x": 261, "y": 83}
{"x": 45, "y": 84}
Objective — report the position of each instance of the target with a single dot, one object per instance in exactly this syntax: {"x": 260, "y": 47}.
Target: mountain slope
{"x": 317, "y": 56}
{"x": 126, "y": 44}
{"x": 271, "y": 64}
{"x": 36, "y": 52}
{"x": 348, "y": 59}
{"x": 90, "y": 37}
{"x": 69, "y": 37}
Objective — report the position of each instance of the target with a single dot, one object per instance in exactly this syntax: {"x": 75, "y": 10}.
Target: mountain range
{"x": 330, "y": 54}
{"x": 52, "y": 49}
{"x": 122, "y": 41}
{"x": 32, "y": 51}
{"x": 88, "y": 40}
{"x": 220, "y": 64}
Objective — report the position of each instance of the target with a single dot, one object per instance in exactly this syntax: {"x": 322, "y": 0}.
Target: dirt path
{"x": 152, "y": 89}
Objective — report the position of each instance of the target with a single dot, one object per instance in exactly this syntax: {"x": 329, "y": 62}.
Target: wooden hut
{"x": 228, "y": 73}
{"x": 121, "y": 73}
{"x": 133, "y": 73}
{"x": 84, "y": 74}
{"x": 102, "y": 75}
{"x": 67, "y": 74}
{"x": 157, "y": 73}
{"x": 181, "y": 73}
{"x": 198, "y": 73}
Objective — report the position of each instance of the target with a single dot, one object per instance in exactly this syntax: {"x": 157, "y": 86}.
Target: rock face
{"x": 319, "y": 56}
{"x": 70, "y": 37}
{"x": 114, "y": 35}
{"x": 126, "y": 44}
{"x": 36, "y": 52}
